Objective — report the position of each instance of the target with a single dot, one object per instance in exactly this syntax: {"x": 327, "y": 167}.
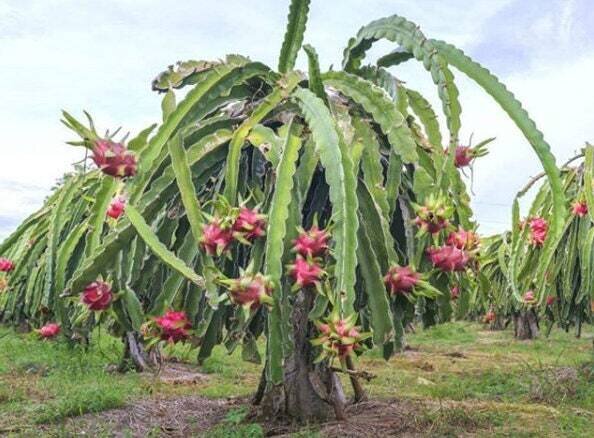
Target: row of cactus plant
{"x": 324, "y": 211}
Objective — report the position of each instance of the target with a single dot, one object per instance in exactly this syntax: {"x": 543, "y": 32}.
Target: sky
{"x": 102, "y": 55}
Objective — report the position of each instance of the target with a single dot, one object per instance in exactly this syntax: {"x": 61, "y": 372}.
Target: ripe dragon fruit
{"x": 462, "y": 239}
{"x": 6, "y": 265}
{"x": 339, "y": 337}
{"x": 490, "y": 316}
{"x": 465, "y": 155}
{"x": 454, "y": 293}
{"x": 249, "y": 225}
{"x": 529, "y": 297}
{"x": 305, "y": 273}
{"x": 216, "y": 237}
{"x": 116, "y": 207}
{"x": 114, "y": 159}
{"x": 49, "y": 331}
{"x": 173, "y": 326}
{"x": 401, "y": 279}
{"x": 538, "y": 231}
{"x": 311, "y": 243}
{"x": 433, "y": 216}
{"x": 579, "y": 208}
{"x": 448, "y": 258}
{"x": 97, "y": 296}
{"x": 251, "y": 290}
{"x": 551, "y": 300}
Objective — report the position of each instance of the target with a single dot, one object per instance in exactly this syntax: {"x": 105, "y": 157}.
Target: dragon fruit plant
{"x": 529, "y": 274}
{"x": 258, "y": 186}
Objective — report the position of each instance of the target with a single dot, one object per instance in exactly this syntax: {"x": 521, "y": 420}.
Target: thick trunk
{"x": 525, "y": 324}
{"x": 309, "y": 392}
{"x": 497, "y": 324}
{"x": 136, "y": 357}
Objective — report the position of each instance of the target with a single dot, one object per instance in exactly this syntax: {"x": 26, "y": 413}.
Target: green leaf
{"x": 383, "y": 110}
{"x": 168, "y": 104}
{"x": 152, "y": 241}
{"x": 315, "y": 79}
{"x": 274, "y": 249}
{"x": 297, "y": 20}
{"x": 341, "y": 179}
{"x": 133, "y": 308}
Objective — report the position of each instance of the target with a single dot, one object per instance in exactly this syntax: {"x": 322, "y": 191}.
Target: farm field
{"x": 456, "y": 379}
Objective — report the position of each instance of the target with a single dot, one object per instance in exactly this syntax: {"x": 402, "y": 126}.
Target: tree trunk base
{"x": 497, "y": 325}
{"x": 308, "y": 393}
{"x": 136, "y": 357}
{"x": 525, "y": 324}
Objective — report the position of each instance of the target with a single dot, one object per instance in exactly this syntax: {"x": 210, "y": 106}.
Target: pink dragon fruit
{"x": 305, "y": 273}
{"x": 6, "y": 265}
{"x": 116, "y": 207}
{"x": 551, "y": 300}
{"x": 462, "y": 239}
{"x": 338, "y": 337}
{"x": 433, "y": 216}
{"x": 250, "y": 224}
{"x": 114, "y": 159}
{"x": 490, "y": 317}
{"x": 538, "y": 231}
{"x": 579, "y": 208}
{"x": 49, "y": 331}
{"x": 448, "y": 258}
{"x": 529, "y": 297}
{"x": 173, "y": 326}
{"x": 464, "y": 156}
{"x": 312, "y": 243}
{"x": 97, "y": 296}
{"x": 216, "y": 238}
{"x": 251, "y": 291}
{"x": 401, "y": 279}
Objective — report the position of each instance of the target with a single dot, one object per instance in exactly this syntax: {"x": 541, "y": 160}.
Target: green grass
{"x": 462, "y": 377}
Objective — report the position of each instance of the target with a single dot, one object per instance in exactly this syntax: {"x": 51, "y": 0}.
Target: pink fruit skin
{"x": 579, "y": 208}
{"x": 401, "y": 279}
{"x": 538, "y": 231}
{"x": 215, "y": 239}
{"x": 251, "y": 291}
{"x": 463, "y": 239}
{"x": 97, "y": 296}
{"x": 551, "y": 300}
{"x": 116, "y": 207}
{"x": 448, "y": 258}
{"x": 49, "y": 330}
{"x": 6, "y": 265}
{"x": 312, "y": 243}
{"x": 174, "y": 326}
{"x": 455, "y": 293}
{"x": 114, "y": 159}
{"x": 250, "y": 224}
{"x": 305, "y": 273}
{"x": 463, "y": 156}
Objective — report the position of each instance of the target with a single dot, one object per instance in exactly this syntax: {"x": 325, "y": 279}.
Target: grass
{"x": 462, "y": 377}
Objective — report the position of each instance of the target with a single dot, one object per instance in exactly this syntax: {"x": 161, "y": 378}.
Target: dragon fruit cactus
{"x": 97, "y": 296}
{"x": 529, "y": 298}
{"x": 249, "y": 225}
{"x": 311, "y": 243}
{"x": 116, "y": 207}
{"x": 114, "y": 159}
{"x": 462, "y": 239}
{"x": 306, "y": 272}
{"x": 216, "y": 237}
{"x": 538, "y": 231}
{"x": 401, "y": 279}
{"x": 579, "y": 208}
{"x": 173, "y": 326}
{"x": 448, "y": 258}
{"x": 433, "y": 216}
{"x": 338, "y": 337}
{"x": 250, "y": 290}
{"x": 49, "y": 331}
{"x": 454, "y": 293}
{"x": 6, "y": 265}
{"x": 3, "y": 284}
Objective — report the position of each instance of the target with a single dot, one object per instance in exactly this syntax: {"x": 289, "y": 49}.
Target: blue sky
{"x": 102, "y": 55}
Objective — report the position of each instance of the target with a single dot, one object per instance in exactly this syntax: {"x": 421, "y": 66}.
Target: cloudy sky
{"x": 102, "y": 55}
